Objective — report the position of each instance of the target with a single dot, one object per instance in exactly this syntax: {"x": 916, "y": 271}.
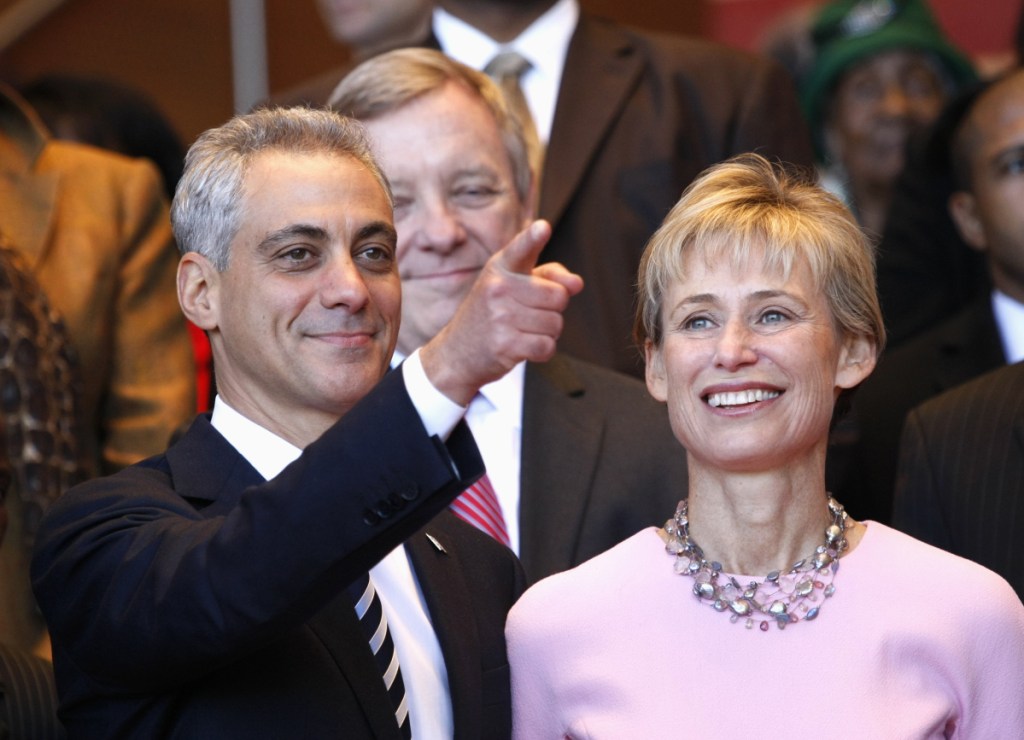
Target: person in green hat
{"x": 882, "y": 69}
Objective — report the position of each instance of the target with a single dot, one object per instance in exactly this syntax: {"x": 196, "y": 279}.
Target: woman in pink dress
{"x": 762, "y": 607}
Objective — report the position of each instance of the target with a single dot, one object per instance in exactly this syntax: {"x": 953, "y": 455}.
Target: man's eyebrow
{"x": 286, "y": 234}
{"x": 378, "y": 229}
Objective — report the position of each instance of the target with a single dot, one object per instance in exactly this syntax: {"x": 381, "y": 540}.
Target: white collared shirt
{"x": 544, "y": 44}
{"x": 1010, "y": 320}
{"x": 419, "y": 653}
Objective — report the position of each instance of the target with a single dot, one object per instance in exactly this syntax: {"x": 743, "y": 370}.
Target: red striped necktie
{"x": 479, "y": 506}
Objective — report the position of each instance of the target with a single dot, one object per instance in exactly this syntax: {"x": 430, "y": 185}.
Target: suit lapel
{"x": 29, "y": 197}
{"x": 561, "y": 443}
{"x": 209, "y": 468}
{"x": 972, "y": 347}
{"x": 436, "y": 562}
{"x": 601, "y": 67}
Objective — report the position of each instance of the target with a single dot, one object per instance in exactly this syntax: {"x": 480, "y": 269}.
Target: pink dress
{"x": 915, "y": 643}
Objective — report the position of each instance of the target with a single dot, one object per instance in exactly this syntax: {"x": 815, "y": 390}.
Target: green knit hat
{"x": 847, "y": 31}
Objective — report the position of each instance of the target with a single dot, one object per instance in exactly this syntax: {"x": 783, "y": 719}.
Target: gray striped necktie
{"x": 507, "y": 69}
{"x": 375, "y": 628}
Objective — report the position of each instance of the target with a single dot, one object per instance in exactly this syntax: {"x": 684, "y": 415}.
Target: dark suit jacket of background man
{"x": 961, "y": 477}
{"x": 188, "y": 597}
{"x": 28, "y": 699}
{"x": 952, "y": 353}
{"x": 599, "y": 463}
{"x": 639, "y": 115}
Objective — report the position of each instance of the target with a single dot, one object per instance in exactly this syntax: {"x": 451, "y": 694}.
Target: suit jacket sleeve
{"x": 143, "y": 590}
{"x": 916, "y": 508}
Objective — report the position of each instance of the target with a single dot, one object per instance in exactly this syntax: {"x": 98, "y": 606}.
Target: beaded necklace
{"x": 782, "y": 597}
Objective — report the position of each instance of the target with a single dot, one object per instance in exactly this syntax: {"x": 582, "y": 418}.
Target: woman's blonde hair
{"x": 747, "y": 207}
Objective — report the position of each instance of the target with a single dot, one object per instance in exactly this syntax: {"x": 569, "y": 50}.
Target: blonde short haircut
{"x": 387, "y": 82}
{"x": 748, "y": 208}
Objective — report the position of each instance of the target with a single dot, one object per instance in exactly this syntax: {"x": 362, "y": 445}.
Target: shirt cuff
{"x": 438, "y": 413}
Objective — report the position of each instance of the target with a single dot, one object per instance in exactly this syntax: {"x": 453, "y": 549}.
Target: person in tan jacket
{"x": 94, "y": 229}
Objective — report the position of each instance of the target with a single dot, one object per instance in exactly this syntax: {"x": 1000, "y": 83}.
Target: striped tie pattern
{"x": 479, "y": 506}
{"x": 375, "y": 628}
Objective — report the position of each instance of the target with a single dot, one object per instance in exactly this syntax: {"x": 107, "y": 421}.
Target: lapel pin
{"x": 436, "y": 544}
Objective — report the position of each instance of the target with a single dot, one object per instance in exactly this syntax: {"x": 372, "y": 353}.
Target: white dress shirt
{"x": 1010, "y": 320}
{"x": 544, "y": 44}
{"x": 419, "y": 653}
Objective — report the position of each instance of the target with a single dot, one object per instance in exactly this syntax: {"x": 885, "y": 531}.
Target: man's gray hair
{"x": 389, "y": 81}
{"x": 207, "y": 204}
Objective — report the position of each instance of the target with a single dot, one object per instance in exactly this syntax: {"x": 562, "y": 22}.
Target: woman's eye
{"x": 773, "y": 317}
{"x": 697, "y": 323}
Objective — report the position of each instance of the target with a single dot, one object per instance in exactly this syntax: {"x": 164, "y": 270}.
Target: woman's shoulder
{"x": 921, "y": 568}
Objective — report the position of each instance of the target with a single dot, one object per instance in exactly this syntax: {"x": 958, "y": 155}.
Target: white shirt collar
{"x": 547, "y": 36}
{"x": 544, "y": 44}
{"x": 1010, "y": 320}
{"x": 263, "y": 449}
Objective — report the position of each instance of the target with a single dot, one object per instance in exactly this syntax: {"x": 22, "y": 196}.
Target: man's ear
{"x": 654, "y": 371}
{"x": 963, "y": 207}
{"x": 856, "y": 361}
{"x": 198, "y": 282}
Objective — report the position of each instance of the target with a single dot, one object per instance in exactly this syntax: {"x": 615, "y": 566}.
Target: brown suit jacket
{"x": 599, "y": 463}
{"x": 94, "y": 229}
{"x": 639, "y": 115}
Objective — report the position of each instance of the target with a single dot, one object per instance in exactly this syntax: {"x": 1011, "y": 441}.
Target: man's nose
{"x": 439, "y": 226}
{"x": 895, "y": 101}
{"x": 343, "y": 284}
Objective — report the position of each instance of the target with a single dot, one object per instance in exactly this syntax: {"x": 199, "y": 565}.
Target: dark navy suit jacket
{"x": 187, "y": 597}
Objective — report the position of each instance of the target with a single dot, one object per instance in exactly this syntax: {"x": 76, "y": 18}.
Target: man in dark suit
{"x": 987, "y": 334}
{"x": 581, "y": 457}
{"x": 961, "y": 475}
{"x": 204, "y": 592}
{"x": 628, "y": 118}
